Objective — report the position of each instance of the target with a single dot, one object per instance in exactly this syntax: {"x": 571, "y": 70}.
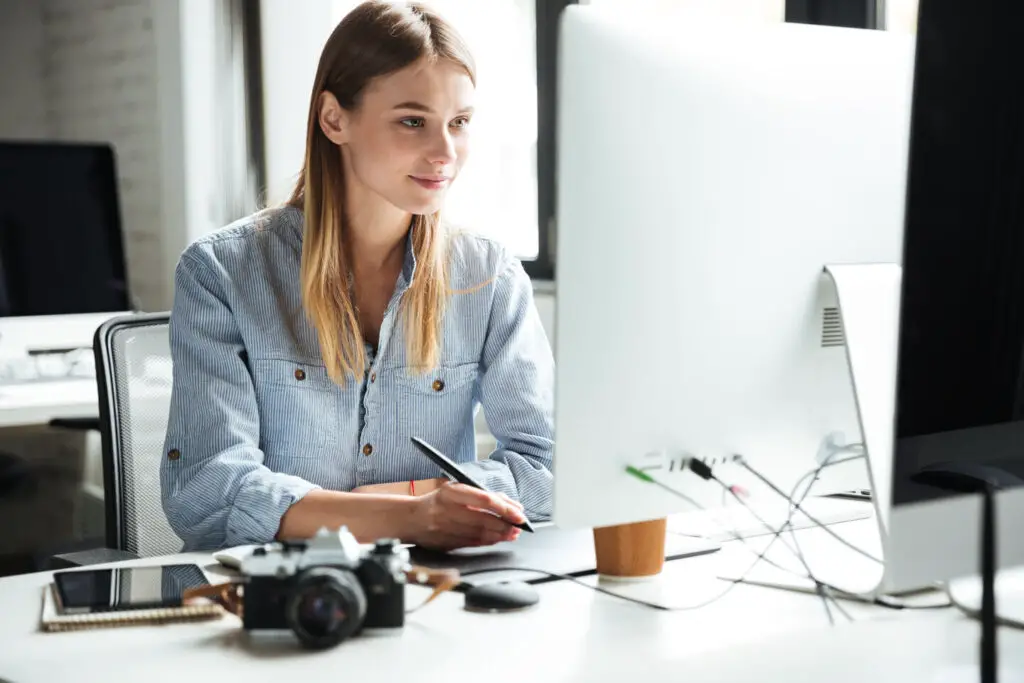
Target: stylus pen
{"x": 455, "y": 472}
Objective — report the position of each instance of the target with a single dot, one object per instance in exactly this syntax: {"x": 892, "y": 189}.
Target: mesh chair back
{"x": 133, "y": 370}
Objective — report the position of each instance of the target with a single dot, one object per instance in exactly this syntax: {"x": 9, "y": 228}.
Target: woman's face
{"x": 408, "y": 137}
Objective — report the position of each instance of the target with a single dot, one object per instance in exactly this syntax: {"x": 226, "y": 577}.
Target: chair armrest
{"x": 82, "y": 558}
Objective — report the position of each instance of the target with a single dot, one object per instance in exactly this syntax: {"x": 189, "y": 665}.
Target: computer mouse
{"x": 501, "y": 596}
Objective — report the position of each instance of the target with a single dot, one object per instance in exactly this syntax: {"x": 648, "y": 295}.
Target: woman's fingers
{"x": 484, "y": 500}
{"x": 512, "y": 501}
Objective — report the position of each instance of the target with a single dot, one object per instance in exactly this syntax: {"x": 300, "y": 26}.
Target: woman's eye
{"x": 460, "y": 122}
{"x": 412, "y": 123}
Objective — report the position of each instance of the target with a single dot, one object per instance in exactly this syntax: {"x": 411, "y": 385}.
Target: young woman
{"x": 312, "y": 341}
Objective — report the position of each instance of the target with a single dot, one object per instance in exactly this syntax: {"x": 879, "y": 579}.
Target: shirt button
{"x": 173, "y": 454}
{"x": 438, "y": 385}
{"x": 373, "y": 377}
{"x": 300, "y": 374}
{"x": 367, "y": 449}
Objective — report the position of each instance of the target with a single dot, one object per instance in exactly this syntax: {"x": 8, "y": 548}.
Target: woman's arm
{"x": 417, "y": 487}
{"x": 368, "y": 517}
{"x": 216, "y": 491}
{"x": 517, "y": 394}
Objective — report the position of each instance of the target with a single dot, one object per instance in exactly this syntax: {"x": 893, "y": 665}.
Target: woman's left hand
{"x": 402, "y": 488}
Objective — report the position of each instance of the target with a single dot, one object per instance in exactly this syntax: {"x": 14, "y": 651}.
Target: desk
{"x": 38, "y": 403}
{"x": 573, "y": 634}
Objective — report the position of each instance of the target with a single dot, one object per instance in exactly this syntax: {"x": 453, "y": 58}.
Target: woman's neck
{"x": 376, "y": 230}
{"x": 375, "y": 244}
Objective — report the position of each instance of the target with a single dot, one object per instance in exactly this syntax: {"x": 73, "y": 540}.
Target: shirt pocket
{"x": 436, "y": 405}
{"x": 298, "y": 406}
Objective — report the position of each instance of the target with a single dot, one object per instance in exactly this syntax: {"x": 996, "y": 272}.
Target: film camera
{"x": 326, "y": 588}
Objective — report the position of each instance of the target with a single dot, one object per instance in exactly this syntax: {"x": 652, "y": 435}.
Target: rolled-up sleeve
{"x": 215, "y": 489}
{"x": 517, "y": 395}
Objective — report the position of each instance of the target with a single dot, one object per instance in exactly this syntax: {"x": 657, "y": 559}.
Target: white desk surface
{"x": 36, "y": 404}
{"x": 573, "y": 634}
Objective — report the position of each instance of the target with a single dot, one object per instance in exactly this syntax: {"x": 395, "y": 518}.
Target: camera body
{"x": 325, "y": 589}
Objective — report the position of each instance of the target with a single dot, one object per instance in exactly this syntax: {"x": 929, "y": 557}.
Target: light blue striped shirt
{"x": 256, "y": 423}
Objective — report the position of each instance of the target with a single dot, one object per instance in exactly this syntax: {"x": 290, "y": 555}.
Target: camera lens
{"x": 326, "y": 606}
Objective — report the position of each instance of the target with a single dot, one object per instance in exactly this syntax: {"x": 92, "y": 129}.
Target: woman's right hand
{"x": 457, "y": 516}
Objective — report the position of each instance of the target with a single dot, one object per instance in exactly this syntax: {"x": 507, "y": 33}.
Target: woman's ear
{"x": 333, "y": 119}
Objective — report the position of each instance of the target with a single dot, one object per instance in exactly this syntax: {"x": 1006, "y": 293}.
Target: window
{"x": 742, "y": 10}
{"x": 901, "y": 15}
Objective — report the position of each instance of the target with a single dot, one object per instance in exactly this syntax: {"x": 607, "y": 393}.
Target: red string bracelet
{"x": 412, "y": 487}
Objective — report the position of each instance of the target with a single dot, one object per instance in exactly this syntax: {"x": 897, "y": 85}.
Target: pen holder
{"x": 630, "y": 551}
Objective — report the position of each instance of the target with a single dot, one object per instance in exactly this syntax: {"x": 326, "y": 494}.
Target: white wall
{"x": 289, "y": 67}
{"x": 22, "y": 51}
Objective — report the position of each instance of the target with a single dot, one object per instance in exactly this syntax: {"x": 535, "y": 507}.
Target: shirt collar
{"x": 409, "y": 264}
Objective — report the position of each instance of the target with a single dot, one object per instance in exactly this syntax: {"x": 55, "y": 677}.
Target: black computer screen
{"x": 960, "y": 389}
{"x": 61, "y": 248}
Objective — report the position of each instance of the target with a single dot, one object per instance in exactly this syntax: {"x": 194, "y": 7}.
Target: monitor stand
{"x": 965, "y": 594}
{"x": 868, "y": 298}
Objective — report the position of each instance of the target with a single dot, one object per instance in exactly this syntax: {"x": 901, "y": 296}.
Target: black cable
{"x": 796, "y": 543}
{"x": 761, "y": 556}
{"x": 653, "y": 605}
{"x": 818, "y": 523}
{"x": 813, "y": 475}
{"x": 599, "y": 589}
{"x": 821, "y": 588}
{"x": 702, "y": 470}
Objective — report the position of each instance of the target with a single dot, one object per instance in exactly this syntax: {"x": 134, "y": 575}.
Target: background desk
{"x": 41, "y": 402}
{"x": 59, "y": 500}
{"x": 573, "y": 634}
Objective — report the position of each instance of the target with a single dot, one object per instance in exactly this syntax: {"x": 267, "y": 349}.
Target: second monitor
{"x": 706, "y": 175}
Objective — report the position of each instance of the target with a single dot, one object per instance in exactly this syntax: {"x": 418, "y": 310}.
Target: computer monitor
{"x": 61, "y": 244}
{"x": 960, "y": 387}
{"x": 706, "y": 173}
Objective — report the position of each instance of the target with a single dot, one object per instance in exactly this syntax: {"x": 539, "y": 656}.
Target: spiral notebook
{"x": 52, "y": 620}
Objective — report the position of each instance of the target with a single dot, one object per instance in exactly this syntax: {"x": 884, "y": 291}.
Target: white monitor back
{"x": 707, "y": 172}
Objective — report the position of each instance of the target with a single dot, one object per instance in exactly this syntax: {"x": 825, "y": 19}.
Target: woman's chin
{"x": 423, "y": 208}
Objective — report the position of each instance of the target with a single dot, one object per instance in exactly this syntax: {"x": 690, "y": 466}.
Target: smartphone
{"x": 92, "y": 591}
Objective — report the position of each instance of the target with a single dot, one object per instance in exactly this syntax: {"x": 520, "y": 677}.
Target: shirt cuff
{"x": 259, "y": 505}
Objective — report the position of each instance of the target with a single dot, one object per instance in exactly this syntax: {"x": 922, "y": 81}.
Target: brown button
{"x": 438, "y": 385}
{"x": 300, "y": 374}
{"x": 174, "y": 454}
{"x": 367, "y": 449}
{"x": 373, "y": 377}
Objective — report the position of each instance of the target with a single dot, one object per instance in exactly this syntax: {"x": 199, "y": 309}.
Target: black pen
{"x": 456, "y": 472}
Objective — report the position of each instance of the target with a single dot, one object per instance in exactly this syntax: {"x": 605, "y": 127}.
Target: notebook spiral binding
{"x": 51, "y": 621}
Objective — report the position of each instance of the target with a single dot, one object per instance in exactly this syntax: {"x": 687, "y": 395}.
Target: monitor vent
{"x": 832, "y": 328}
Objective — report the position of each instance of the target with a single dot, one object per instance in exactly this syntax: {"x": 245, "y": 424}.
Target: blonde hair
{"x": 374, "y": 39}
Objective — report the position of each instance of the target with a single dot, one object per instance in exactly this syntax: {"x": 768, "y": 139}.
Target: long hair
{"x": 374, "y": 39}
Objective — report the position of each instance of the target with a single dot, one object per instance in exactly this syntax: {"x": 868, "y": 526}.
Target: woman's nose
{"x": 443, "y": 149}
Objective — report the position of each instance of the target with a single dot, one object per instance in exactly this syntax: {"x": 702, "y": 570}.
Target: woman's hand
{"x": 456, "y": 516}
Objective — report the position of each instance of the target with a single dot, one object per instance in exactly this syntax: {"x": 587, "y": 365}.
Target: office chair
{"x": 133, "y": 374}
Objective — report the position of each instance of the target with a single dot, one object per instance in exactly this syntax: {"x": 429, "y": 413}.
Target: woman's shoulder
{"x": 268, "y": 230}
{"x": 475, "y": 259}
